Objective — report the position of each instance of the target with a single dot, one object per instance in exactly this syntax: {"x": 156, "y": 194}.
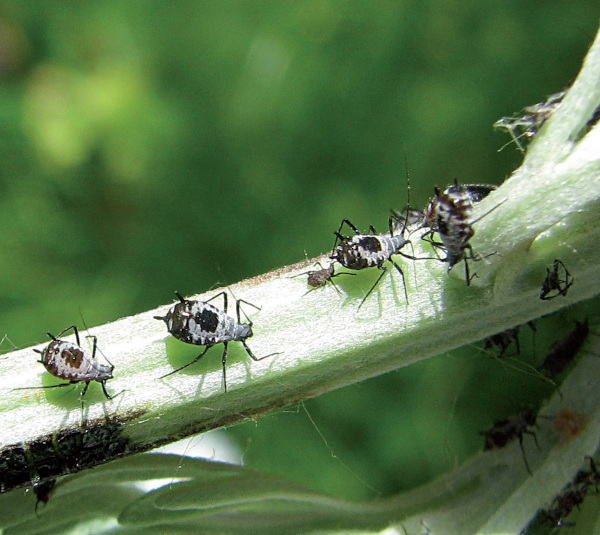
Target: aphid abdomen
{"x": 361, "y": 252}
{"x": 68, "y": 361}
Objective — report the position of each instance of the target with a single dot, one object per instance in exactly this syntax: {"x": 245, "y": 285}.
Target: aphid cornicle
{"x": 202, "y": 324}
{"x": 361, "y": 251}
{"x": 71, "y": 362}
{"x": 449, "y": 214}
{"x": 505, "y": 431}
{"x": 558, "y": 280}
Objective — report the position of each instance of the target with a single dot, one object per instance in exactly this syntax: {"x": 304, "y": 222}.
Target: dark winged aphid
{"x": 505, "y": 431}
{"x": 320, "y": 277}
{"x": 563, "y": 504}
{"x": 202, "y": 324}
{"x": 71, "y": 362}
{"x": 529, "y": 123}
{"x": 503, "y": 340}
{"x": 42, "y": 492}
{"x": 563, "y": 351}
{"x": 449, "y": 214}
{"x": 557, "y": 281}
{"x": 362, "y": 251}
{"x": 572, "y": 495}
{"x": 588, "y": 478}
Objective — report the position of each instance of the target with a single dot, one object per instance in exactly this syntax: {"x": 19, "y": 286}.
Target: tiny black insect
{"x": 503, "y": 340}
{"x": 563, "y": 351}
{"x": 588, "y": 478}
{"x": 202, "y": 324}
{"x": 449, "y": 214}
{"x": 70, "y": 361}
{"x": 572, "y": 496}
{"x": 505, "y": 431}
{"x": 557, "y": 280}
{"x": 362, "y": 251}
{"x": 563, "y": 504}
{"x": 528, "y": 124}
{"x": 42, "y": 492}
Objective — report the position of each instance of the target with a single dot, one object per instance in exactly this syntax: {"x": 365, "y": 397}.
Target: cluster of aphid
{"x": 560, "y": 355}
{"x": 447, "y": 222}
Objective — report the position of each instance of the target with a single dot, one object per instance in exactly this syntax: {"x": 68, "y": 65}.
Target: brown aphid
{"x": 568, "y": 425}
{"x": 320, "y": 277}
{"x": 563, "y": 351}
{"x": 71, "y": 362}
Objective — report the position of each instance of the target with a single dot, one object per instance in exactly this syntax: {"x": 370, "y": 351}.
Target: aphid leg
{"x": 73, "y": 328}
{"x": 399, "y": 269}
{"x": 348, "y": 223}
{"x": 383, "y": 272}
{"x": 523, "y": 454}
{"x": 224, "y": 300}
{"x": 250, "y": 354}
{"x": 239, "y": 311}
{"x": 188, "y": 364}
{"x": 223, "y": 362}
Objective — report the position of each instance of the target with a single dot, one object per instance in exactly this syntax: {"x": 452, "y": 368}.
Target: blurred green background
{"x": 149, "y": 146}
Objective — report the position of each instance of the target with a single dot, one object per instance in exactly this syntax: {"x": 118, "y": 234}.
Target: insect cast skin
{"x": 200, "y": 323}
{"x": 554, "y": 283}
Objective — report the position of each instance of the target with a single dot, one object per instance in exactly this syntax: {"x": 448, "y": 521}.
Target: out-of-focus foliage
{"x": 148, "y": 147}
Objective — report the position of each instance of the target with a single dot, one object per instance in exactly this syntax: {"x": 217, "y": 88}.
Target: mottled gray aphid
{"x": 361, "y": 251}
{"x": 449, "y": 214}
{"x": 202, "y": 324}
{"x": 71, "y": 362}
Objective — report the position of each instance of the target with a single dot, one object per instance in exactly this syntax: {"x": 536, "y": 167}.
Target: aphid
{"x": 449, "y": 214}
{"x": 563, "y": 504}
{"x": 320, "y": 277}
{"x": 529, "y": 123}
{"x": 70, "y": 361}
{"x": 563, "y": 351}
{"x": 363, "y": 251}
{"x": 505, "y": 431}
{"x": 588, "y": 478}
{"x": 202, "y": 324}
{"x": 503, "y": 340}
{"x": 557, "y": 280}
{"x": 42, "y": 492}
{"x": 572, "y": 495}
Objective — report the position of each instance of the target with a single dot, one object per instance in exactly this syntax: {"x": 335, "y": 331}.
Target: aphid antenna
{"x": 488, "y": 213}
{"x": 522, "y": 367}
